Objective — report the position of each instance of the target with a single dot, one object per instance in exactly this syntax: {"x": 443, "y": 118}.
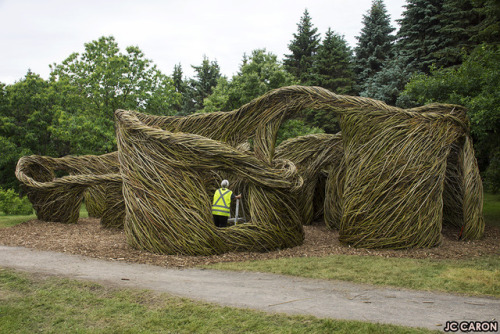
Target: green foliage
{"x": 492, "y": 173}
{"x": 433, "y": 34}
{"x": 111, "y": 80}
{"x": 419, "y": 36}
{"x": 219, "y": 99}
{"x": 475, "y": 84}
{"x": 12, "y": 204}
{"x": 258, "y": 74}
{"x": 91, "y": 86}
{"x": 295, "y": 128}
{"x": 458, "y": 23}
{"x": 491, "y": 209}
{"x": 180, "y": 87}
{"x": 197, "y": 90}
{"x": 73, "y": 112}
{"x": 375, "y": 43}
{"x": 25, "y": 120}
{"x": 326, "y": 120}
{"x": 83, "y": 133}
{"x": 387, "y": 84}
{"x": 303, "y": 49}
{"x": 488, "y": 30}
{"x": 28, "y": 114}
{"x": 332, "y": 68}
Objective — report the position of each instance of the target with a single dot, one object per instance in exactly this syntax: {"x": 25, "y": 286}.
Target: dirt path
{"x": 266, "y": 292}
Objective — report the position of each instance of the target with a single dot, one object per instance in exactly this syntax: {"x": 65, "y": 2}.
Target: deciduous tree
{"x": 258, "y": 74}
{"x": 474, "y": 84}
{"x": 99, "y": 81}
{"x": 25, "y": 121}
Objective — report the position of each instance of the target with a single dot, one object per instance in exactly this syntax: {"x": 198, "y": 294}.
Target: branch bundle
{"x": 390, "y": 179}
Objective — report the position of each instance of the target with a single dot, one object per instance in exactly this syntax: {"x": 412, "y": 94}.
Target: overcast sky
{"x": 36, "y": 33}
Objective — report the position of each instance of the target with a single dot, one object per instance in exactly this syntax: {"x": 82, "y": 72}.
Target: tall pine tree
{"x": 374, "y": 45}
{"x": 433, "y": 33}
{"x": 387, "y": 84}
{"x": 488, "y": 30}
{"x": 303, "y": 49}
{"x": 459, "y": 20}
{"x": 332, "y": 67}
{"x": 419, "y": 37}
{"x": 206, "y": 78}
{"x": 180, "y": 87}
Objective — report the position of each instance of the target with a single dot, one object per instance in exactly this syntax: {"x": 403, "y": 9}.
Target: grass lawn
{"x": 473, "y": 277}
{"x": 7, "y": 221}
{"x": 31, "y": 304}
{"x": 491, "y": 209}
{"x": 480, "y": 276}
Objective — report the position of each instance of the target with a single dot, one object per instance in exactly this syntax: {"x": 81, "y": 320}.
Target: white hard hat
{"x": 224, "y": 184}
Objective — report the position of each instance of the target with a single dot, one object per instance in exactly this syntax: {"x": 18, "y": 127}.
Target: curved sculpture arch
{"x": 383, "y": 181}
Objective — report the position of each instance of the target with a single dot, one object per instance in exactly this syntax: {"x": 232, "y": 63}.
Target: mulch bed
{"x": 89, "y": 238}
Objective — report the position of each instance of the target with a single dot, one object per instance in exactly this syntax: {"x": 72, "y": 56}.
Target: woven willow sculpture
{"x": 315, "y": 156}
{"x": 385, "y": 181}
{"x": 59, "y": 199}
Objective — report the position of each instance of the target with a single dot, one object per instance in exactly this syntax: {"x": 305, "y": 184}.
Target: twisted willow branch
{"x": 390, "y": 179}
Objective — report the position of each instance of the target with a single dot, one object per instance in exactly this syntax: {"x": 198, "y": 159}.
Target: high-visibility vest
{"x": 222, "y": 202}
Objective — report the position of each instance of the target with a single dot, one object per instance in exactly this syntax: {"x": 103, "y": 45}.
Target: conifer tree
{"x": 332, "y": 67}
{"x": 375, "y": 43}
{"x": 459, "y": 20}
{"x": 177, "y": 78}
{"x": 206, "y": 78}
{"x": 488, "y": 30}
{"x": 419, "y": 37}
{"x": 303, "y": 49}
{"x": 180, "y": 87}
{"x": 387, "y": 84}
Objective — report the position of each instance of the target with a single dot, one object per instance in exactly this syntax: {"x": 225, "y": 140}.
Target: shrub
{"x": 492, "y": 174}
{"x": 12, "y": 204}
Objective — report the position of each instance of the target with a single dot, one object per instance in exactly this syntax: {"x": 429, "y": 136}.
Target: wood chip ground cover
{"x": 89, "y": 238}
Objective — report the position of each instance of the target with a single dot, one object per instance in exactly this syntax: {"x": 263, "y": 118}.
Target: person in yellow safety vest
{"x": 221, "y": 206}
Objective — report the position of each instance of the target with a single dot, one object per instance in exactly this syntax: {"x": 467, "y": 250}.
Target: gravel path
{"x": 266, "y": 292}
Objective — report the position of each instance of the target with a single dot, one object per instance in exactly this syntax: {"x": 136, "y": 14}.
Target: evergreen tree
{"x": 474, "y": 84}
{"x": 206, "y": 78}
{"x": 177, "y": 78}
{"x": 180, "y": 87}
{"x": 459, "y": 22}
{"x": 374, "y": 45}
{"x": 303, "y": 49}
{"x": 332, "y": 67}
{"x": 389, "y": 82}
{"x": 433, "y": 33}
{"x": 488, "y": 30}
{"x": 419, "y": 37}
